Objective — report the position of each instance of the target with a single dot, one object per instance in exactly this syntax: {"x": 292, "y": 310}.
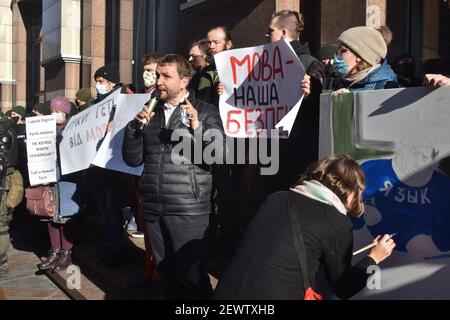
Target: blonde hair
{"x": 363, "y": 65}
{"x": 289, "y": 20}
{"x": 343, "y": 176}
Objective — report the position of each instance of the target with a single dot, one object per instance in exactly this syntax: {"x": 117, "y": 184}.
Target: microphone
{"x": 151, "y": 104}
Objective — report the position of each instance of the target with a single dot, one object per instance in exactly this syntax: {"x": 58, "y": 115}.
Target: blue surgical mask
{"x": 340, "y": 67}
{"x": 101, "y": 89}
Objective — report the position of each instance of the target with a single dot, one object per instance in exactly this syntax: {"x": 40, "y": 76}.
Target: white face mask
{"x": 59, "y": 117}
{"x": 101, "y": 89}
{"x": 149, "y": 78}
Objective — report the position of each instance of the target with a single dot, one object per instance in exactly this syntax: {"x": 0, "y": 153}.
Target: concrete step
{"x": 88, "y": 287}
{"x": 99, "y": 282}
{"x": 124, "y": 282}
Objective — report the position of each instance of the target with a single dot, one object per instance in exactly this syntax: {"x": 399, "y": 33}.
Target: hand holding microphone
{"x": 147, "y": 113}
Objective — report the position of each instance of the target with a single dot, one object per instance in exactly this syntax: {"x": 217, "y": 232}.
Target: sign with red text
{"x": 262, "y": 90}
{"x": 85, "y": 141}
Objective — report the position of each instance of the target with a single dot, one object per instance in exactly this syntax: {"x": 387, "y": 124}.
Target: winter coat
{"x": 168, "y": 188}
{"x": 265, "y": 266}
{"x": 381, "y": 78}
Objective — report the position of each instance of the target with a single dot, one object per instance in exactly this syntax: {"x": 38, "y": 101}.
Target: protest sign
{"x": 41, "y": 149}
{"x": 262, "y": 89}
{"x": 85, "y": 141}
{"x": 110, "y": 153}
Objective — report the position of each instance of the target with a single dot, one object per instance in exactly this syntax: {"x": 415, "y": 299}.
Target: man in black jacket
{"x": 107, "y": 186}
{"x": 176, "y": 197}
{"x": 301, "y": 149}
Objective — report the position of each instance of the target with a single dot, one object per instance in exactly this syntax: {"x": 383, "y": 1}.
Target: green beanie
{"x": 43, "y": 109}
{"x": 19, "y": 110}
{"x": 327, "y": 52}
{"x": 84, "y": 94}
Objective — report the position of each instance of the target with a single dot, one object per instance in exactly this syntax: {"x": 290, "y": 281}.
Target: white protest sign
{"x": 41, "y": 149}
{"x": 42, "y": 172}
{"x": 262, "y": 89}
{"x": 82, "y": 134}
{"x": 110, "y": 153}
{"x": 401, "y": 138}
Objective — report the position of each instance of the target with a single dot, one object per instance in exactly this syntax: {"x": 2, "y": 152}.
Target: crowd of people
{"x": 222, "y": 219}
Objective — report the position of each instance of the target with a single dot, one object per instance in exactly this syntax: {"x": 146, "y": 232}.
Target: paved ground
{"x": 23, "y": 281}
{"x": 30, "y": 241}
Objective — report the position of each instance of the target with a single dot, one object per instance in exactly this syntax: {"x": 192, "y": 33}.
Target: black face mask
{"x": 16, "y": 119}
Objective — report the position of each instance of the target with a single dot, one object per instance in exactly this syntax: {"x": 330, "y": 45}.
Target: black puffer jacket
{"x": 168, "y": 188}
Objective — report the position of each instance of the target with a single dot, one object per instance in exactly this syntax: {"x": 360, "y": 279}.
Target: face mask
{"x": 340, "y": 67}
{"x": 59, "y": 117}
{"x": 15, "y": 119}
{"x": 149, "y": 78}
{"x": 101, "y": 89}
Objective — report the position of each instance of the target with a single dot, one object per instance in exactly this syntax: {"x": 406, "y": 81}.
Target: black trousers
{"x": 180, "y": 250}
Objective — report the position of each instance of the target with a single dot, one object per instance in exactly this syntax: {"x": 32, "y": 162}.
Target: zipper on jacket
{"x": 194, "y": 182}
{"x": 160, "y": 177}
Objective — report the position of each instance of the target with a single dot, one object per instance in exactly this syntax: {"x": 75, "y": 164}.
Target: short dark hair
{"x": 343, "y": 176}
{"x": 150, "y": 58}
{"x": 225, "y": 30}
{"x": 289, "y": 20}
{"x": 203, "y": 45}
{"x": 184, "y": 68}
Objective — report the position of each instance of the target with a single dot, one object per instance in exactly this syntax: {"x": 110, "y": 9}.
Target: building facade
{"x": 53, "y": 47}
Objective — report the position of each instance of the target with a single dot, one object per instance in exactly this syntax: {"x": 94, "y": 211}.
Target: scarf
{"x": 317, "y": 191}
{"x": 354, "y": 79}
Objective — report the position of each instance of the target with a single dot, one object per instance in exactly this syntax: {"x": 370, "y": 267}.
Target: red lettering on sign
{"x": 230, "y": 122}
{"x": 259, "y": 67}
{"x": 234, "y": 61}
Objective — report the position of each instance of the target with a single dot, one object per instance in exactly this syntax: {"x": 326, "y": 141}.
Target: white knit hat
{"x": 366, "y": 42}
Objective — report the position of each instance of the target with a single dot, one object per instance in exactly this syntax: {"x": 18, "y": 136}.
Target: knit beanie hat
{"x": 366, "y": 42}
{"x": 327, "y": 52}
{"x": 84, "y": 94}
{"x": 19, "y": 110}
{"x": 60, "y": 104}
{"x": 43, "y": 108}
{"x": 109, "y": 72}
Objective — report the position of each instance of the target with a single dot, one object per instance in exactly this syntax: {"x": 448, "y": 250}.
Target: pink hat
{"x": 60, "y": 104}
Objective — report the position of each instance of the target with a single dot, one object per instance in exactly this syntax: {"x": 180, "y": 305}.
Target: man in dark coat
{"x": 176, "y": 196}
{"x": 107, "y": 186}
{"x": 301, "y": 149}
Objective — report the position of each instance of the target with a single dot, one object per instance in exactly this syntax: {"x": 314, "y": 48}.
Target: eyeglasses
{"x": 342, "y": 50}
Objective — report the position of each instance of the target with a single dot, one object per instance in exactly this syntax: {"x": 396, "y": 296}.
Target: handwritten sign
{"x": 109, "y": 155}
{"x": 41, "y": 149}
{"x": 82, "y": 134}
{"x": 85, "y": 141}
{"x": 262, "y": 89}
